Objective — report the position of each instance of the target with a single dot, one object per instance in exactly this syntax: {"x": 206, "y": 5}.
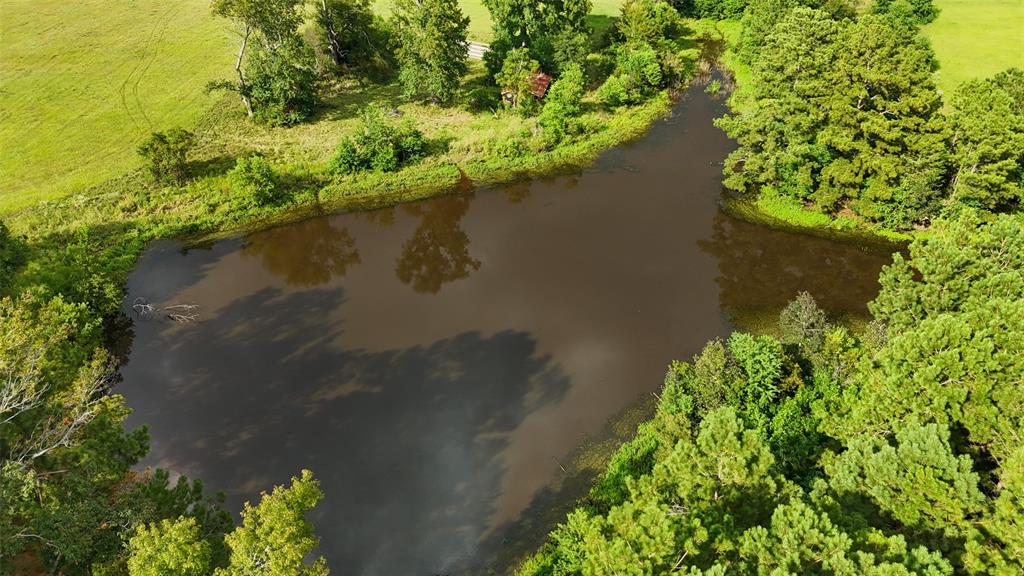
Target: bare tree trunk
{"x": 238, "y": 68}
{"x": 332, "y": 35}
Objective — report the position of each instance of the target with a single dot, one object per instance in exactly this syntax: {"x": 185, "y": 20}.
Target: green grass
{"x": 976, "y": 39}
{"x": 84, "y": 82}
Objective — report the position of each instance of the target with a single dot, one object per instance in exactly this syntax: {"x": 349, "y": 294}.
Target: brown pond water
{"x": 434, "y": 363}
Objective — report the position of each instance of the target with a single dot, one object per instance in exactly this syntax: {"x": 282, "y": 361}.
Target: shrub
{"x": 166, "y": 153}
{"x": 637, "y": 75}
{"x": 379, "y": 145}
{"x": 560, "y": 116}
{"x": 254, "y": 177}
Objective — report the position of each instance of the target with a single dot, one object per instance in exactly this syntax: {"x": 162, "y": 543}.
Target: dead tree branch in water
{"x": 176, "y": 312}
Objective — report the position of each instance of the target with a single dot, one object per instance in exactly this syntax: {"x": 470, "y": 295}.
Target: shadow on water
{"x": 368, "y": 423}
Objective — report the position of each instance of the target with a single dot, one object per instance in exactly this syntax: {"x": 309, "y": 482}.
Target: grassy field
{"x": 84, "y": 82}
{"x": 976, "y": 38}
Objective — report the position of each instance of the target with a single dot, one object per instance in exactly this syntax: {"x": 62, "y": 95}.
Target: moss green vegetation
{"x": 85, "y": 82}
{"x": 975, "y": 39}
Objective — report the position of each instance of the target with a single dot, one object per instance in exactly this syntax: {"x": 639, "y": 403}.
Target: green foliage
{"x": 380, "y": 145}
{"x": 803, "y": 323}
{"x": 276, "y": 77}
{"x": 254, "y": 179}
{"x": 919, "y": 480}
{"x": 514, "y": 79}
{"x": 554, "y": 32}
{"x": 13, "y": 255}
{"x": 953, "y": 313}
{"x": 637, "y": 76}
{"x": 353, "y": 37}
{"x": 988, "y": 142}
{"x": 846, "y": 116}
{"x": 714, "y": 9}
{"x": 166, "y": 153}
{"x": 169, "y": 547}
{"x": 432, "y": 47}
{"x": 646, "y": 21}
{"x": 276, "y": 20}
{"x": 275, "y": 538}
{"x": 282, "y": 84}
{"x": 563, "y": 105}
{"x": 916, "y": 11}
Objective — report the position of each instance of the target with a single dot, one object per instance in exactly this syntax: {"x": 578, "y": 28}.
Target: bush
{"x": 379, "y": 145}
{"x": 637, "y": 75}
{"x": 166, "y": 153}
{"x": 560, "y": 116}
{"x": 254, "y": 177}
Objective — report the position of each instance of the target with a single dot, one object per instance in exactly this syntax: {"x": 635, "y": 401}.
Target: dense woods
{"x": 842, "y": 115}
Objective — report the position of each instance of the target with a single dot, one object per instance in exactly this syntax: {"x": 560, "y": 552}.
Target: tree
{"x": 916, "y": 11}
{"x": 759, "y": 20}
{"x": 554, "y": 32}
{"x": 562, "y": 107}
{"x": 954, "y": 312}
{"x": 352, "y": 35}
{"x": 275, "y": 538}
{"x": 282, "y": 83}
{"x": 169, "y": 547}
{"x": 167, "y": 154}
{"x": 779, "y": 149}
{"x": 803, "y": 323}
{"x": 988, "y": 144}
{"x": 432, "y": 47}
{"x": 275, "y": 67}
{"x": 646, "y": 21}
{"x": 514, "y": 79}
{"x": 637, "y": 75}
{"x": 884, "y": 130}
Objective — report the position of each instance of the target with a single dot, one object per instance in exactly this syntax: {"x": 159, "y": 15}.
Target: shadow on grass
{"x": 343, "y": 102}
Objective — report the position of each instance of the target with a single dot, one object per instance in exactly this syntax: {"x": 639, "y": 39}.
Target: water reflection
{"x": 438, "y": 252}
{"x": 305, "y": 254}
{"x": 753, "y": 274}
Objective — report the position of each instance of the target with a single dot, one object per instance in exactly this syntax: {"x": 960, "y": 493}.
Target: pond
{"x": 435, "y": 363}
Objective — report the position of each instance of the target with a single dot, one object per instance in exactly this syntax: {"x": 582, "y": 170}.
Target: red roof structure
{"x": 539, "y": 83}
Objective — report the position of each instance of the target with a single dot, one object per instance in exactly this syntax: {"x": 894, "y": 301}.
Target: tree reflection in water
{"x": 305, "y": 254}
{"x": 438, "y": 251}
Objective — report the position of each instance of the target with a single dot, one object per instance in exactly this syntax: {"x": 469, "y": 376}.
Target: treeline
{"x": 841, "y": 115}
{"x": 897, "y": 450}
